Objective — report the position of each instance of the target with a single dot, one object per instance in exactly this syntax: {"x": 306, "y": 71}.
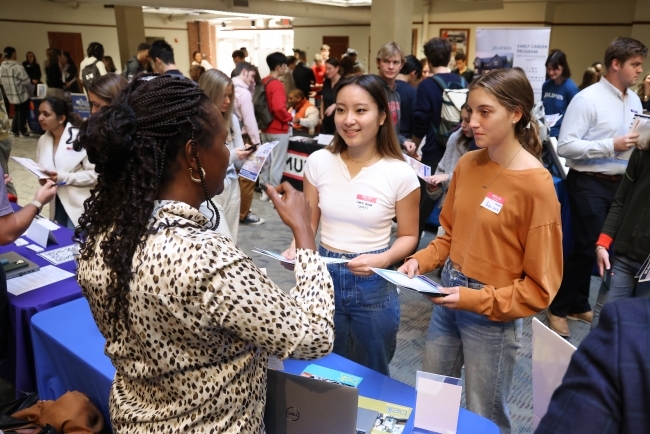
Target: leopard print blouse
{"x": 203, "y": 321}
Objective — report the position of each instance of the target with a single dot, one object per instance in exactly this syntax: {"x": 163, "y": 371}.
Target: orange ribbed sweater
{"x": 517, "y": 253}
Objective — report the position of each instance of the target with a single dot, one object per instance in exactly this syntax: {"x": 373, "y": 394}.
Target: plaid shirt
{"x": 15, "y": 81}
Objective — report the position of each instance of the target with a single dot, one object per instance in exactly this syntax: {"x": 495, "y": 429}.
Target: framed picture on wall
{"x": 459, "y": 39}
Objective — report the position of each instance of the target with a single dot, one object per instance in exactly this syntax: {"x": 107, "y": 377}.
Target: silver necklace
{"x": 504, "y": 168}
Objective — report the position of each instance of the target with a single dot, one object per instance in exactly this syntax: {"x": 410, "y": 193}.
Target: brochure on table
{"x": 255, "y": 162}
{"x": 38, "y": 279}
{"x": 392, "y": 418}
{"x": 322, "y": 373}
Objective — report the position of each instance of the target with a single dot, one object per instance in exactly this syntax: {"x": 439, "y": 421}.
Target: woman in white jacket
{"x": 69, "y": 169}
{"x": 219, "y": 88}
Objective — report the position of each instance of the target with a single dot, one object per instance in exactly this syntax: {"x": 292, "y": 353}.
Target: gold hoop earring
{"x": 194, "y": 179}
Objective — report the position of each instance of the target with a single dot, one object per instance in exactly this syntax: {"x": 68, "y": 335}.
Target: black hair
{"x": 460, "y": 56}
{"x": 291, "y": 60}
{"x": 276, "y": 59}
{"x": 68, "y": 57}
{"x": 558, "y": 58}
{"x": 411, "y": 63}
{"x": 61, "y": 108}
{"x": 96, "y": 50}
{"x": 135, "y": 144}
{"x": 622, "y": 49}
{"x": 238, "y": 53}
{"x": 240, "y": 67}
{"x": 143, "y": 46}
{"x": 438, "y": 52}
{"x": 160, "y": 49}
{"x": 9, "y": 51}
{"x": 334, "y": 62}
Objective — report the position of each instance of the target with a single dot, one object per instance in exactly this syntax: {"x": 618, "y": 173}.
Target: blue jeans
{"x": 487, "y": 348}
{"x": 366, "y": 315}
{"x": 622, "y": 285}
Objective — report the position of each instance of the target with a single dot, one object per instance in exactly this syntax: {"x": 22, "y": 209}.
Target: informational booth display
{"x": 526, "y": 48}
{"x": 69, "y": 350}
{"x": 297, "y": 154}
{"x": 80, "y": 105}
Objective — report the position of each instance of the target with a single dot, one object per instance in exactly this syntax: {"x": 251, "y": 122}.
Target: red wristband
{"x": 605, "y": 241}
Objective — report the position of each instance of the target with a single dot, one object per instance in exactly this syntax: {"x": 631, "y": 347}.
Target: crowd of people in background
{"x": 500, "y": 261}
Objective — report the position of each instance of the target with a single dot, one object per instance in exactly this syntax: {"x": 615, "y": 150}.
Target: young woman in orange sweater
{"x": 502, "y": 249}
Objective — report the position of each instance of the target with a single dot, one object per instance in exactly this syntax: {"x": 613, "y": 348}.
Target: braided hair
{"x": 135, "y": 143}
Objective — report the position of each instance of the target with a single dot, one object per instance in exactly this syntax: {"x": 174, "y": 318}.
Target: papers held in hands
{"x": 32, "y": 166}
{"x": 421, "y": 284}
{"x": 421, "y": 170}
{"x": 641, "y": 125}
{"x": 291, "y": 261}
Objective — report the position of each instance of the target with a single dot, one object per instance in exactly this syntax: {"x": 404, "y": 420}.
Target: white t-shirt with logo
{"x": 356, "y": 213}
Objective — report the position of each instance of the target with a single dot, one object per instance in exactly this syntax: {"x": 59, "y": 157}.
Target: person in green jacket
{"x": 628, "y": 228}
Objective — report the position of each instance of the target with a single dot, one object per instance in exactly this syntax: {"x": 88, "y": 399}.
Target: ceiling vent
{"x": 240, "y": 3}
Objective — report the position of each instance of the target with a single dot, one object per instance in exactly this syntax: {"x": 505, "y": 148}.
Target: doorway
{"x": 70, "y": 42}
{"x": 338, "y": 45}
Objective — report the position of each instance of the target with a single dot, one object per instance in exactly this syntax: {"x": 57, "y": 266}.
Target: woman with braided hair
{"x": 189, "y": 320}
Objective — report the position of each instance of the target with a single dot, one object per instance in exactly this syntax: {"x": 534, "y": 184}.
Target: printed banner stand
{"x": 526, "y": 48}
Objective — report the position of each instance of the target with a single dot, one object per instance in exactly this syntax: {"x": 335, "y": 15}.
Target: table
{"x": 19, "y": 368}
{"x": 70, "y": 355}
{"x": 297, "y": 154}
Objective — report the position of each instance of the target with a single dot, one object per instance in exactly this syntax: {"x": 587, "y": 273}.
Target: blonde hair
{"x": 390, "y": 49}
{"x": 318, "y": 57}
{"x": 214, "y": 83}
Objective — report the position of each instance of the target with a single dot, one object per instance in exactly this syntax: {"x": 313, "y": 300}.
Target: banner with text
{"x": 509, "y": 47}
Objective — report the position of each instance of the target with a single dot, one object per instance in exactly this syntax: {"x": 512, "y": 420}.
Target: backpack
{"x": 454, "y": 95}
{"x": 263, "y": 114}
{"x": 89, "y": 74}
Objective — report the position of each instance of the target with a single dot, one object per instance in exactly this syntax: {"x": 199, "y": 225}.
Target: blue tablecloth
{"x": 69, "y": 354}
{"x": 19, "y": 368}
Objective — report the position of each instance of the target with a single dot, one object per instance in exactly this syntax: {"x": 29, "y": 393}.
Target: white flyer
{"x": 255, "y": 162}
{"x": 641, "y": 125}
{"x": 551, "y": 120}
{"x": 38, "y": 279}
{"x": 291, "y": 261}
{"x": 32, "y": 166}
{"x": 421, "y": 170}
{"x": 59, "y": 256}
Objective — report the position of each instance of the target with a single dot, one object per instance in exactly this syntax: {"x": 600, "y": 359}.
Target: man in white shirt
{"x": 595, "y": 141}
{"x": 16, "y": 81}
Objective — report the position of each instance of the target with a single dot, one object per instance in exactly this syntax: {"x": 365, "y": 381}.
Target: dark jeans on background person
{"x": 590, "y": 198}
{"x": 366, "y": 314}
{"x": 622, "y": 284}
{"x": 19, "y": 124}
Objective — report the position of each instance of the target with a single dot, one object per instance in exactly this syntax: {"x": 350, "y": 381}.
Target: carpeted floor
{"x": 416, "y": 311}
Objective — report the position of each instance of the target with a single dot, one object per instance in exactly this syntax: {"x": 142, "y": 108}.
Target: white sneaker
{"x": 264, "y": 197}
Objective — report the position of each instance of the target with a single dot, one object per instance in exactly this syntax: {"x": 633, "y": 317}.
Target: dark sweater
{"x": 407, "y": 95}
{"x": 628, "y": 221}
{"x": 605, "y": 388}
{"x": 426, "y": 116}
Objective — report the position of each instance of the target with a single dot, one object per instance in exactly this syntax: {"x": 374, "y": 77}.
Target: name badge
{"x": 493, "y": 203}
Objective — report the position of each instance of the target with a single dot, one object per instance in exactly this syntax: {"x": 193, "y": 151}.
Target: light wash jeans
{"x": 272, "y": 173}
{"x": 366, "y": 315}
{"x": 487, "y": 348}
{"x": 622, "y": 285}
{"x": 229, "y": 201}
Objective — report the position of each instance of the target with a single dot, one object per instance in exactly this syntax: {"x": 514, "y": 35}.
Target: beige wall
{"x": 24, "y": 25}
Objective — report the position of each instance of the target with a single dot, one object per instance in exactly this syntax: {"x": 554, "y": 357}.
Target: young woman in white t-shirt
{"x": 355, "y": 187}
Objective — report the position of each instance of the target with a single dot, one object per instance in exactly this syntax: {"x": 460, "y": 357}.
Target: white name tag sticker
{"x": 493, "y": 203}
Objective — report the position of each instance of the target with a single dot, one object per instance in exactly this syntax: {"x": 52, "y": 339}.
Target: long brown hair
{"x": 513, "y": 91}
{"x": 108, "y": 86}
{"x": 387, "y": 144}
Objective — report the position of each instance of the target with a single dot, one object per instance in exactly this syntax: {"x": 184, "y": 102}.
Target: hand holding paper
{"x": 32, "y": 166}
